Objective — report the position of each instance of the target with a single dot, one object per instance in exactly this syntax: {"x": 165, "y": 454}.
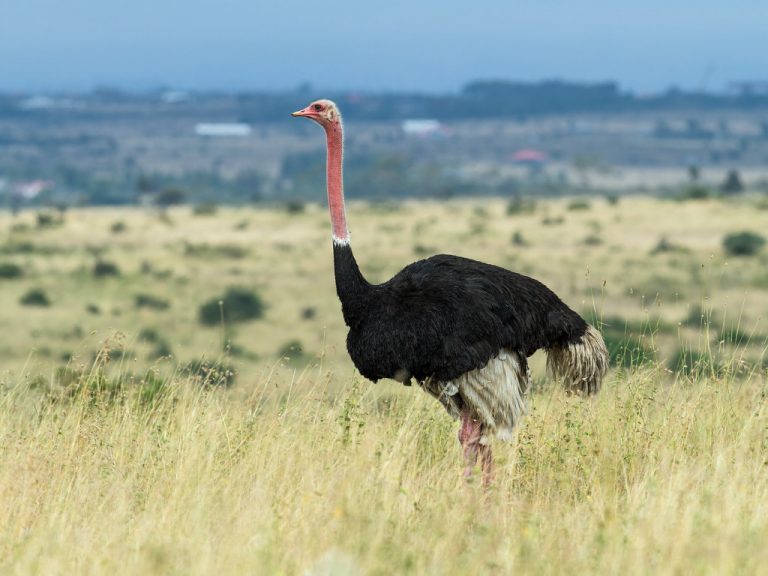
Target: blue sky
{"x": 426, "y": 46}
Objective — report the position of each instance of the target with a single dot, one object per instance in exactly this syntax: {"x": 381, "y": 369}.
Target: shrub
{"x": 93, "y": 309}
{"x": 421, "y": 250}
{"x": 292, "y": 351}
{"x": 150, "y": 301}
{"x": 104, "y": 268}
{"x": 161, "y": 349}
{"x": 205, "y": 209}
{"x": 520, "y": 206}
{"x": 9, "y": 270}
{"x": 552, "y": 220}
{"x": 170, "y": 197}
{"x": 743, "y": 243}
{"x": 626, "y": 350}
{"x": 234, "y": 251}
{"x": 49, "y": 220}
{"x": 150, "y": 335}
{"x": 664, "y": 245}
{"x": 695, "y": 192}
{"x": 732, "y": 183}
{"x": 577, "y": 205}
{"x": 295, "y": 207}
{"x": 35, "y": 297}
{"x": 211, "y": 372}
{"x": 236, "y": 305}
{"x": 308, "y": 313}
{"x": 592, "y": 240}
{"x": 518, "y": 240}
{"x": 118, "y": 227}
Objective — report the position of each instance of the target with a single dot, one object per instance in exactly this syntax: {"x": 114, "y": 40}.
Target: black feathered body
{"x": 445, "y": 316}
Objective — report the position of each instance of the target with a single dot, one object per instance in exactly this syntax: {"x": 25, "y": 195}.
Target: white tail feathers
{"x": 582, "y": 364}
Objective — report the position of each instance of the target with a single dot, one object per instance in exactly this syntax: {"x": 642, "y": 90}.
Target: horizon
{"x": 432, "y": 47}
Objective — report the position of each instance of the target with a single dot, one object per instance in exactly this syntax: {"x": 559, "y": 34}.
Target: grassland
{"x": 115, "y": 458}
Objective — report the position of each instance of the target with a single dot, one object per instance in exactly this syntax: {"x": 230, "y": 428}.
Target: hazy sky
{"x": 422, "y": 45}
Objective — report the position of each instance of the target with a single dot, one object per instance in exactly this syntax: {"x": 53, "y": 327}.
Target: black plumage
{"x": 444, "y": 316}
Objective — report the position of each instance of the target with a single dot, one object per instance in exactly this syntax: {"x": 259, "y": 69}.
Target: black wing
{"x": 447, "y": 315}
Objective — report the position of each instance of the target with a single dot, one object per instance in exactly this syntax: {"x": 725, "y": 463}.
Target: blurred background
{"x": 116, "y": 103}
{"x": 149, "y": 168}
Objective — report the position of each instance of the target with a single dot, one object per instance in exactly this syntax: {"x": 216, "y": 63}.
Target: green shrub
{"x": 308, "y": 313}
{"x": 695, "y": 192}
{"x": 743, "y": 243}
{"x": 292, "y": 351}
{"x": 732, "y": 183}
{"x": 576, "y": 205}
{"x": 211, "y": 372}
{"x": 520, "y": 206}
{"x": 104, "y": 268}
{"x": 295, "y": 207}
{"x": 9, "y": 270}
{"x": 205, "y": 209}
{"x": 518, "y": 239}
{"x": 35, "y": 297}
{"x": 118, "y": 227}
{"x": 150, "y": 301}
{"x": 236, "y": 305}
{"x": 49, "y": 220}
{"x": 664, "y": 246}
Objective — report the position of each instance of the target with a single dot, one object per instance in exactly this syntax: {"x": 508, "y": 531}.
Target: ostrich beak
{"x": 304, "y": 112}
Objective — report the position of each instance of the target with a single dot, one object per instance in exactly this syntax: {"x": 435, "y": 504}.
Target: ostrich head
{"x": 324, "y": 112}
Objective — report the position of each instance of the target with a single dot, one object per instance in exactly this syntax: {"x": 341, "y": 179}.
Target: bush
{"x": 295, "y": 207}
{"x": 118, "y": 227}
{"x": 518, "y": 239}
{"x": 695, "y": 192}
{"x": 170, "y": 197}
{"x": 211, "y": 372}
{"x": 664, "y": 245}
{"x": 626, "y": 350}
{"x": 205, "y": 209}
{"x": 292, "y": 351}
{"x": 236, "y": 305}
{"x": 150, "y": 301}
{"x": 743, "y": 243}
{"x": 49, "y": 220}
{"x": 520, "y": 206}
{"x": 577, "y": 205}
{"x": 9, "y": 270}
{"x": 35, "y": 297}
{"x": 732, "y": 183}
{"x": 105, "y": 268}
{"x": 308, "y": 313}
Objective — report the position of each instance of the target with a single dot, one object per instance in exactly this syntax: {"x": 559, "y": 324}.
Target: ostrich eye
{"x": 317, "y": 107}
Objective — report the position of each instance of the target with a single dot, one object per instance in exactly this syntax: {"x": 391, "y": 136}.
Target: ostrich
{"x": 460, "y": 328}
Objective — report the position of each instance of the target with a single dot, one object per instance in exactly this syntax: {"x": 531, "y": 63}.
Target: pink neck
{"x": 335, "y": 182}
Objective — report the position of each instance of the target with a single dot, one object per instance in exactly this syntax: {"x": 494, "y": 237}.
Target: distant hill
{"x": 478, "y": 99}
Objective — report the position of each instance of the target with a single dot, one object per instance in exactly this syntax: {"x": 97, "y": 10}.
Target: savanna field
{"x": 175, "y": 396}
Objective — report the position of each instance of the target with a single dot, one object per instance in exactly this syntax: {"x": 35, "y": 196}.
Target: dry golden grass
{"x": 305, "y": 468}
{"x": 645, "y": 479}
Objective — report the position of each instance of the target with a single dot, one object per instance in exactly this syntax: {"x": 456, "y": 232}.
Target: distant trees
{"x": 732, "y": 183}
{"x": 170, "y": 197}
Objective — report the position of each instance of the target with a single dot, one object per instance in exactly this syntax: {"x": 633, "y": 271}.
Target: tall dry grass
{"x": 647, "y": 478}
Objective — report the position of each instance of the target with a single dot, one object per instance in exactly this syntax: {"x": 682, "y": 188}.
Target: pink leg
{"x": 469, "y": 435}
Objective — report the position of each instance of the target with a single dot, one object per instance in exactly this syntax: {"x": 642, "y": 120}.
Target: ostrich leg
{"x": 469, "y": 435}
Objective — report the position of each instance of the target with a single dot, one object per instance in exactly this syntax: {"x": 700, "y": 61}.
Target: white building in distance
{"x": 223, "y": 130}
